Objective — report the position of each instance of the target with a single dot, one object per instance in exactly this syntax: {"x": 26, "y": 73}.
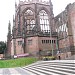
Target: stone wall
{"x": 65, "y": 26}
{"x": 39, "y": 43}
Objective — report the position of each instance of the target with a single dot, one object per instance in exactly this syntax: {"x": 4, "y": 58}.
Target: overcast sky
{"x": 7, "y": 10}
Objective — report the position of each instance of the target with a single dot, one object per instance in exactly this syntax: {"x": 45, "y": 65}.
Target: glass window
{"x": 50, "y": 41}
{"x": 54, "y": 41}
{"x": 46, "y": 41}
{"x": 19, "y": 42}
{"x": 29, "y": 12}
{"x": 42, "y": 41}
{"x": 30, "y": 42}
{"x": 29, "y": 18}
{"x": 44, "y": 21}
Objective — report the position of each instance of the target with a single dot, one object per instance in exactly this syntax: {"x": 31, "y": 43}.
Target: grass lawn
{"x": 19, "y": 62}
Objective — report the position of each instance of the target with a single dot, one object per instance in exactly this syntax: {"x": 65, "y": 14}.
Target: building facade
{"x": 33, "y": 28}
{"x": 36, "y": 29}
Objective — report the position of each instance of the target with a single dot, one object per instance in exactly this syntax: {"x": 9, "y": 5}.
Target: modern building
{"x": 36, "y": 29}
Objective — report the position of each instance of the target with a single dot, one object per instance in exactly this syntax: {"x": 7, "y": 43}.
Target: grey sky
{"x": 7, "y": 10}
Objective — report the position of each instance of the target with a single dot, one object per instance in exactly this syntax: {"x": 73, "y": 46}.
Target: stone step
{"x": 43, "y": 68}
{"x": 39, "y": 71}
{"x": 58, "y": 64}
{"x": 53, "y": 62}
{"x": 52, "y": 68}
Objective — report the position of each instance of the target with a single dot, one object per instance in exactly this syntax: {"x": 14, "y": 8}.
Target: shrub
{"x": 48, "y": 58}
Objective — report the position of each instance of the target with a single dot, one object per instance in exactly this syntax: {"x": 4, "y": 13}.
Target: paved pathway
{"x": 55, "y": 67}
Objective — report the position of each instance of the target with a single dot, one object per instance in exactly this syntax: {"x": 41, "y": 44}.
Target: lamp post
{"x": 51, "y": 8}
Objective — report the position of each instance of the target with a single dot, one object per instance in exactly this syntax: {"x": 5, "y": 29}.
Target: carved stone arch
{"x": 27, "y": 9}
{"x": 44, "y": 21}
{"x": 43, "y": 8}
{"x": 29, "y": 20}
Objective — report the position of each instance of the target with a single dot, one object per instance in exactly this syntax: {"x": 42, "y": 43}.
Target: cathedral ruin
{"x": 36, "y": 29}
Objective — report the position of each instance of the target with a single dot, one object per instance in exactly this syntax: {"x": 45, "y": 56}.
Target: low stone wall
{"x": 64, "y": 55}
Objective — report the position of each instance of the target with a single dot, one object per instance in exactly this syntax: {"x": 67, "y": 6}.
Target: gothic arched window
{"x": 44, "y": 21}
{"x": 29, "y": 12}
{"x": 29, "y": 18}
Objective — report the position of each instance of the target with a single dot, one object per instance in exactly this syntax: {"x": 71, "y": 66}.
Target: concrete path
{"x": 55, "y": 67}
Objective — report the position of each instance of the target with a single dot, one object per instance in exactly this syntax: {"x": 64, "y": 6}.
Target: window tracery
{"x": 29, "y": 18}
{"x": 44, "y": 21}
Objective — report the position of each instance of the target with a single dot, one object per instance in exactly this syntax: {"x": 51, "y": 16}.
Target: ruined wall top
{"x": 70, "y": 6}
{"x": 34, "y": 1}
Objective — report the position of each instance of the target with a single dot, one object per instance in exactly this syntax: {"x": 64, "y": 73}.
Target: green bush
{"x": 49, "y": 58}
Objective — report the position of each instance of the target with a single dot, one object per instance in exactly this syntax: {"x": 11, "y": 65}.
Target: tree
{"x": 2, "y": 47}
